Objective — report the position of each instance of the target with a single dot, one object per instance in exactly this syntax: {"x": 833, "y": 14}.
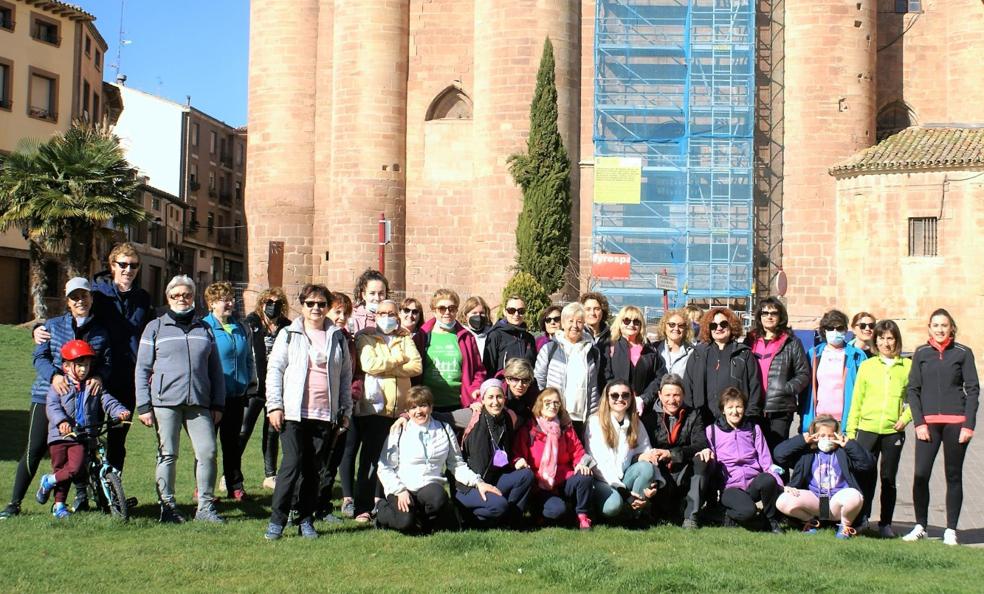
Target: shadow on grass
{"x": 13, "y": 427}
{"x": 974, "y": 536}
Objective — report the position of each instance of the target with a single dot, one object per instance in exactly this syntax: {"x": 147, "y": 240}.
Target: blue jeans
{"x": 636, "y": 479}
{"x": 515, "y": 487}
{"x": 576, "y": 489}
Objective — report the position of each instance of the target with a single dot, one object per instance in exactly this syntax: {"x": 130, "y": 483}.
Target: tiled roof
{"x": 919, "y": 148}
{"x": 72, "y": 11}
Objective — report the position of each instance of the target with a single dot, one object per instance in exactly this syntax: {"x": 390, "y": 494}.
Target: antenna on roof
{"x": 120, "y": 42}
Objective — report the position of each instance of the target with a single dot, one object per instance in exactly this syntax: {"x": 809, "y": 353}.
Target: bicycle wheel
{"x": 97, "y": 496}
{"x": 117, "y": 498}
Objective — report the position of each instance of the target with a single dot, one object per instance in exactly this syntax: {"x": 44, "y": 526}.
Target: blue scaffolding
{"x": 674, "y": 86}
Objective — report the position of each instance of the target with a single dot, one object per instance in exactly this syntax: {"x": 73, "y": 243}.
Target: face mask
{"x": 387, "y": 325}
{"x": 272, "y": 311}
{"x": 184, "y": 311}
{"x": 372, "y": 307}
{"x": 477, "y": 322}
{"x": 449, "y": 326}
{"x": 834, "y": 337}
{"x": 826, "y": 445}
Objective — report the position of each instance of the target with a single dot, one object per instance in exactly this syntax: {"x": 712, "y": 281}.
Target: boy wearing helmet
{"x": 78, "y": 406}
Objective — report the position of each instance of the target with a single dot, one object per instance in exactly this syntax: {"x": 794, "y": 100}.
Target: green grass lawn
{"x": 92, "y": 553}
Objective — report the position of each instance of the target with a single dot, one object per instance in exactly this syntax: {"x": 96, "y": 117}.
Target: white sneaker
{"x": 917, "y": 533}
{"x": 886, "y": 532}
{"x": 950, "y": 537}
{"x": 222, "y": 485}
{"x": 270, "y": 482}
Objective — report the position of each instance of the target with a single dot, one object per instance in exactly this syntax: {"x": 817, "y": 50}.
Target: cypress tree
{"x": 543, "y": 233}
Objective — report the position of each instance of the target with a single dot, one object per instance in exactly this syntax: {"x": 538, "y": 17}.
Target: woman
{"x": 452, "y": 364}
{"x": 677, "y": 434}
{"x": 625, "y": 477}
{"x": 834, "y": 366}
{"x": 509, "y": 338}
{"x": 676, "y": 341}
{"x": 570, "y": 364}
{"x": 77, "y": 323}
{"x": 825, "y": 466}
{"x": 179, "y": 383}
{"x": 549, "y": 325}
{"x": 632, "y": 359}
{"x": 411, "y": 315}
{"x": 371, "y": 288}
{"x": 521, "y": 388}
{"x": 235, "y": 345}
{"x": 742, "y": 464}
{"x": 596, "y": 314}
{"x": 943, "y": 391}
{"x": 863, "y": 326}
{"x": 267, "y": 319}
{"x": 412, "y": 469}
{"x": 721, "y": 362}
{"x": 782, "y": 365}
{"x": 551, "y": 448}
{"x": 389, "y": 359}
{"x": 475, "y": 316}
{"x": 309, "y": 398}
{"x": 487, "y": 446}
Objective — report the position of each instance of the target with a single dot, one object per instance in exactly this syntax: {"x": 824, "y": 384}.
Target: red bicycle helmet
{"x": 76, "y": 349}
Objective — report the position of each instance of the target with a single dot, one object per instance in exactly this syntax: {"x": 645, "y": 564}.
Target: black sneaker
{"x": 12, "y": 509}
{"x": 81, "y": 503}
{"x": 170, "y": 515}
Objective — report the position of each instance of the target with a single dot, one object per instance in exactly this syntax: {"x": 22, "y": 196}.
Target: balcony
{"x": 225, "y": 237}
{"x": 225, "y": 199}
{"x": 212, "y": 192}
{"x": 193, "y": 185}
{"x": 225, "y": 158}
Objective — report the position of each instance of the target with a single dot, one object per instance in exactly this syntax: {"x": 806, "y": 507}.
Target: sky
{"x": 180, "y": 47}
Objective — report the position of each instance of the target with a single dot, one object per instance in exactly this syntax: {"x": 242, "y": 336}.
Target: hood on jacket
{"x": 504, "y": 326}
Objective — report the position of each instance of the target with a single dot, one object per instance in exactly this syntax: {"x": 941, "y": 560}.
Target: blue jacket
{"x": 47, "y": 355}
{"x": 236, "y": 355}
{"x": 63, "y": 408}
{"x": 854, "y": 357}
{"x": 125, "y": 320}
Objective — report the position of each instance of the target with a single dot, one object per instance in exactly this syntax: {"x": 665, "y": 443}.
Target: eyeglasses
{"x": 866, "y": 326}
{"x": 519, "y": 380}
{"x": 551, "y": 404}
{"x": 632, "y": 322}
{"x": 272, "y": 301}
{"x": 552, "y": 320}
{"x": 410, "y": 312}
{"x": 130, "y": 265}
{"x": 516, "y": 311}
{"x": 443, "y": 309}
{"x": 626, "y": 396}
{"x": 724, "y": 325}
{"x": 837, "y": 328}
{"x": 314, "y": 304}
{"x": 675, "y": 325}
{"x": 181, "y": 296}
{"x": 769, "y": 313}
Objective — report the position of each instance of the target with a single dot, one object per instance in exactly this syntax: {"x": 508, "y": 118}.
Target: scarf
{"x": 489, "y": 434}
{"x": 184, "y": 320}
{"x": 940, "y": 346}
{"x": 547, "y": 474}
{"x": 765, "y": 352}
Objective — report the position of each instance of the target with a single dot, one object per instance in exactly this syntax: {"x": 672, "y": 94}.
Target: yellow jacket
{"x": 879, "y": 397}
{"x": 391, "y": 365}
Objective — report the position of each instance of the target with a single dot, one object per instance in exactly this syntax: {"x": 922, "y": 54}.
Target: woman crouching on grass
{"x": 412, "y": 469}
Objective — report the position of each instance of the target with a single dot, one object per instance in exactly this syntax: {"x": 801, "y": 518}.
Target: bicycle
{"x": 105, "y": 481}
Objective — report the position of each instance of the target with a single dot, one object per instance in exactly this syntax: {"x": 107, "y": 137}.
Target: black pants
{"x": 775, "y": 426}
{"x": 371, "y": 431}
{"x": 270, "y": 444}
{"x": 305, "y": 445}
{"x": 37, "y": 447}
{"x": 232, "y": 454}
{"x": 889, "y": 448}
{"x": 430, "y": 509}
{"x": 341, "y": 464}
{"x": 685, "y": 487}
{"x": 953, "y": 457}
{"x": 739, "y": 504}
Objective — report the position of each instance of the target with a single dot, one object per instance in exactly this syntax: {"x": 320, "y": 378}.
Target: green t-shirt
{"x": 442, "y": 369}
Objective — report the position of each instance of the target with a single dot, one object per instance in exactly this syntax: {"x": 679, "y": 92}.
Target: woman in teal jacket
{"x": 834, "y": 367}
{"x": 234, "y": 342}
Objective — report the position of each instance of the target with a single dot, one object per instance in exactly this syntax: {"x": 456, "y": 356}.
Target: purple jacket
{"x": 62, "y": 408}
{"x": 741, "y": 453}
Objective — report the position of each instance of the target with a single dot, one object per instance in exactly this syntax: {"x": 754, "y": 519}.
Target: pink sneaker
{"x": 583, "y": 522}
{"x": 239, "y": 495}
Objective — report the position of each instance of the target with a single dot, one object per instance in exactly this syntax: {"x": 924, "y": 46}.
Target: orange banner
{"x": 611, "y": 266}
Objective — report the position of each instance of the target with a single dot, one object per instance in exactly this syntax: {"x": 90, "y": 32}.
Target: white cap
{"x": 74, "y": 284}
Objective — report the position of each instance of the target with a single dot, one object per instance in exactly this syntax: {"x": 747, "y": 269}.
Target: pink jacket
{"x": 530, "y": 441}
{"x": 472, "y": 370}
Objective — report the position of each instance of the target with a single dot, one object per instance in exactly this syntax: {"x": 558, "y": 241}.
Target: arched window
{"x": 893, "y": 118}
{"x": 450, "y": 104}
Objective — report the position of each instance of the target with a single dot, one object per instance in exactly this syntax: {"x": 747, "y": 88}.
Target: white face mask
{"x": 834, "y": 337}
{"x": 446, "y": 326}
{"x": 826, "y": 445}
{"x": 372, "y": 307}
{"x": 387, "y": 325}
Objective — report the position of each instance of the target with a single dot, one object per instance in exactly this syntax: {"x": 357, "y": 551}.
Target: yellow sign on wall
{"x": 618, "y": 180}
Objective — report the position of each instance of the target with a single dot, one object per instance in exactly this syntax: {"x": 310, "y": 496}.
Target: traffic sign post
{"x": 667, "y": 283}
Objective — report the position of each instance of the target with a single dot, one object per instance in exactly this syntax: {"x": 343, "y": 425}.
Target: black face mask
{"x": 272, "y": 311}
{"x": 478, "y": 322}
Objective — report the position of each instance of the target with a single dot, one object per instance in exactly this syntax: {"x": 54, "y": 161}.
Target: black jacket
{"x": 789, "y": 375}
{"x": 796, "y": 453}
{"x": 643, "y": 377}
{"x": 692, "y": 437}
{"x": 602, "y": 342}
{"x": 260, "y": 352}
{"x": 943, "y": 384}
{"x": 506, "y": 341}
{"x": 744, "y": 376}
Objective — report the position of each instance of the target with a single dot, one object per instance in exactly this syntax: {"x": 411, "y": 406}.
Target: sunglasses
{"x": 551, "y": 404}
{"x": 552, "y": 320}
{"x": 183, "y": 296}
{"x": 626, "y": 396}
{"x": 676, "y": 325}
{"x": 770, "y": 313}
{"x": 272, "y": 301}
{"x": 722, "y": 325}
{"x": 632, "y": 322}
{"x": 837, "y": 328}
{"x": 519, "y": 380}
{"x": 516, "y": 310}
{"x": 410, "y": 312}
{"x": 447, "y": 309}
{"x": 866, "y": 326}
{"x": 314, "y": 304}
{"x": 125, "y": 265}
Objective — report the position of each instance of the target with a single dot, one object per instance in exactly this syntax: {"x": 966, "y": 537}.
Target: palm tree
{"x": 61, "y": 191}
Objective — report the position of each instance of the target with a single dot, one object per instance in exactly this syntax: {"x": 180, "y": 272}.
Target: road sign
{"x": 666, "y": 282}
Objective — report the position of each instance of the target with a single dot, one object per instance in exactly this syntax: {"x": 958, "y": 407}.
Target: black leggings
{"x": 270, "y": 444}
{"x": 372, "y": 431}
{"x": 739, "y": 504}
{"x": 37, "y": 447}
{"x": 953, "y": 457}
{"x": 775, "y": 426}
{"x": 889, "y": 448}
{"x": 430, "y": 509}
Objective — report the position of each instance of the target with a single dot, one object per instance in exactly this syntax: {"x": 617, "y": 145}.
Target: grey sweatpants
{"x": 197, "y": 420}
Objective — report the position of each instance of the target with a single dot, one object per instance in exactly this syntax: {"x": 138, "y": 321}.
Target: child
{"x": 78, "y": 407}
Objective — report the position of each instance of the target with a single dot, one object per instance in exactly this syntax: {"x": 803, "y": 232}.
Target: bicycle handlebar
{"x": 97, "y": 429}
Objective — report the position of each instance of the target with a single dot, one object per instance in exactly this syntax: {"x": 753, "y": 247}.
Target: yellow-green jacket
{"x": 879, "y": 397}
{"x": 391, "y": 365}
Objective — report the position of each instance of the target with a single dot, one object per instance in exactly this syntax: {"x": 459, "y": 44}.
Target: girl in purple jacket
{"x": 742, "y": 463}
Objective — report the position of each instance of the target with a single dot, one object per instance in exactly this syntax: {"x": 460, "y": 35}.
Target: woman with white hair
{"x": 179, "y": 382}
{"x": 569, "y": 363}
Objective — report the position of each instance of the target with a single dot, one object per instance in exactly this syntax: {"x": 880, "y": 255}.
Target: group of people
{"x": 458, "y": 421}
